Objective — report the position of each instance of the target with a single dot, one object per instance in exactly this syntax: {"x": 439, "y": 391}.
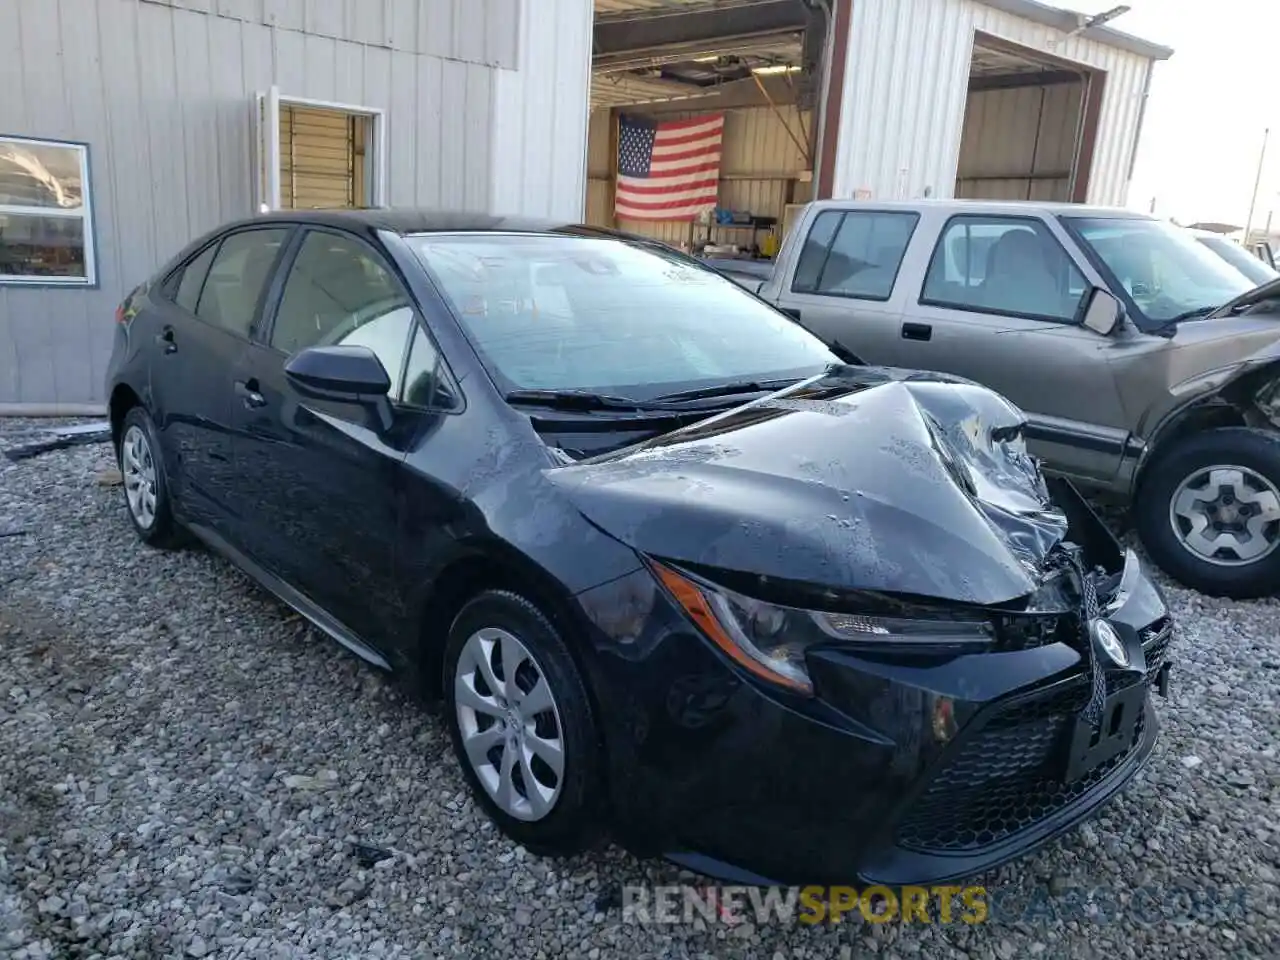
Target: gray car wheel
{"x": 522, "y": 723}
{"x": 1208, "y": 512}
{"x": 146, "y": 485}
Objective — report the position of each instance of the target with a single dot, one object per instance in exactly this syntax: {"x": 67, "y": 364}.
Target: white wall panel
{"x": 540, "y": 112}
{"x": 476, "y": 31}
{"x": 905, "y": 88}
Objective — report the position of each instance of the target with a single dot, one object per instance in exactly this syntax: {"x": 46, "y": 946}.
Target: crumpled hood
{"x": 866, "y": 479}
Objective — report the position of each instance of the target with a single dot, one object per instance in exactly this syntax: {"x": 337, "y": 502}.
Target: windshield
{"x": 1161, "y": 268}
{"x": 1240, "y": 258}
{"x": 563, "y": 312}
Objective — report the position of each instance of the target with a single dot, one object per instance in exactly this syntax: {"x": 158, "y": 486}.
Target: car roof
{"x": 993, "y": 207}
{"x": 405, "y": 221}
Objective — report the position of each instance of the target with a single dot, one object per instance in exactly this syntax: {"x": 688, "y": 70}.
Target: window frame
{"x": 168, "y": 286}
{"x": 275, "y": 294}
{"x": 939, "y": 246}
{"x": 90, "y": 281}
{"x": 844, "y": 213}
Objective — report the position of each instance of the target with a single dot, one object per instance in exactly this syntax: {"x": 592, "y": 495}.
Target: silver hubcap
{"x": 1227, "y": 515}
{"x": 510, "y": 724}
{"x": 139, "y": 471}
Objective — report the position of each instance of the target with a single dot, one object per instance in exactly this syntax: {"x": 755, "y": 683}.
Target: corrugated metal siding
{"x": 758, "y": 167}
{"x": 476, "y": 31}
{"x": 170, "y": 136}
{"x": 906, "y": 83}
{"x": 539, "y": 117}
{"x": 1019, "y": 144}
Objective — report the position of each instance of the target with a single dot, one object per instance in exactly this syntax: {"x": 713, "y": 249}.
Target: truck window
{"x": 1007, "y": 265}
{"x": 859, "y": 258}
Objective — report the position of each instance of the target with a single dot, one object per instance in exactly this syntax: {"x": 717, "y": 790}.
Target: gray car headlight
{"x": 771, "y": 640}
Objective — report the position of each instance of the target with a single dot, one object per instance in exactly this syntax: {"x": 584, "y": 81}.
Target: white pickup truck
{"x": 1147, "y": 365}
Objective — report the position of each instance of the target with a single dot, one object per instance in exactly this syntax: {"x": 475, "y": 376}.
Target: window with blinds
{"x": 323, "y": 158}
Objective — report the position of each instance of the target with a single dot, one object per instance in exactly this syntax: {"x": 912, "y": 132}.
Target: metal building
{"x": 877, "y": 99}
{"x": 129, "y": 127}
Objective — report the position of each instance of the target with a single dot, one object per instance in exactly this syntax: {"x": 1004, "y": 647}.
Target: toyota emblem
{"x": 1110, "y": 642}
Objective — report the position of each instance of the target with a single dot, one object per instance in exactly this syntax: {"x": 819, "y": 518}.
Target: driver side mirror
{"x": 343, "y": 374}
{"x": 1102, "y": 312}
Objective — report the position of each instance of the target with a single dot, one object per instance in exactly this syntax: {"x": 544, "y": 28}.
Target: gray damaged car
{"x": 1147, "y": 366}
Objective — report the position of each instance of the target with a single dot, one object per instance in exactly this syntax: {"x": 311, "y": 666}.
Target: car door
{"x": 1001, "y": 304}
{"x": 324, "y": 514}
{"x": 845, "y": 286}
{"x": 204, "y": 310}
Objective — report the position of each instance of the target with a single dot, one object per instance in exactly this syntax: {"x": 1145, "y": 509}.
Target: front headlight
{"x": 771, "y": 640}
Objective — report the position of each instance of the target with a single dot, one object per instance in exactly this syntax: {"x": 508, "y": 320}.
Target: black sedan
{"x": 671, "y": 565}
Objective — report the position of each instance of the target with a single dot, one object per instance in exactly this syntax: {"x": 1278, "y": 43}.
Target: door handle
{"x": 248, "y": 393}
{"x": 165, "y": 339}
{"x": 917, "y": 331}
{"x": 792, "y": 312}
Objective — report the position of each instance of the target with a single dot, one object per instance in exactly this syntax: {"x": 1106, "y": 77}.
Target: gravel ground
{"x": 187, "y": 770}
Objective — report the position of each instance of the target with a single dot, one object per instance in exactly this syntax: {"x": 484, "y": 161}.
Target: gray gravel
{"x": 185, "y": 770}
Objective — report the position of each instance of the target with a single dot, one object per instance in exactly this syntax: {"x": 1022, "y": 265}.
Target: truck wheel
{"x": 1208, "y": 512}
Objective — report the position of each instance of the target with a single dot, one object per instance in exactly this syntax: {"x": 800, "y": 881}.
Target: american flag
{"x": 668, "y": 170}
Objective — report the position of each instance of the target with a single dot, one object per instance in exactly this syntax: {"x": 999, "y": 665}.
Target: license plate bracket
{"x": 1092, "y": 746}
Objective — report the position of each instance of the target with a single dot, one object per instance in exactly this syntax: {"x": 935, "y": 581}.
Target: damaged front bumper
{"x": 899, "y": 769}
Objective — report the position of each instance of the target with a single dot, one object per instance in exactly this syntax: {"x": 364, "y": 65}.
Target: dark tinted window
{"x": 814, "y": 252}
{"x": 1003, "y": 265}
{"x": 237, "y": 277}
{"x": 340, "y": 292}
{"x": 191, "y": 279}
{"x": 866, "y": 254}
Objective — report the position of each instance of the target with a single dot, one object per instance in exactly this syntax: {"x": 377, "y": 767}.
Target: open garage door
{"x": 1028, "y": 127}
{"x": 660, "y": 63}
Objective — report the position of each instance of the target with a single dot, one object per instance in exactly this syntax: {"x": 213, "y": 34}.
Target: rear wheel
{"x": 146, "y": 490}
{"x": 521, "y": 723}
{"x": 1208, "y": 512}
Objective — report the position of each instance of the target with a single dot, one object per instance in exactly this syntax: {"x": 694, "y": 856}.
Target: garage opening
{"x": 1029, "y": 125}
{"x": 702, "y": 130}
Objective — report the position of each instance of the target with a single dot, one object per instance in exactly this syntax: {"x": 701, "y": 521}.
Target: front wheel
{"x": 521, "y": 723}
{"x": 1208, "y": 512}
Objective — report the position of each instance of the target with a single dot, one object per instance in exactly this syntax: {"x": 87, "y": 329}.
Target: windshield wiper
{"x": 583, "y": 400}
{"x": 1195, "y": 314}
{"x": 728, "y": 390}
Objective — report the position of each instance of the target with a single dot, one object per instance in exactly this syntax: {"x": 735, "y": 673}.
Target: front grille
{"x": 1026, "y": 632}
{"x": 1155, "y": 645}
{"x": 1007, "y": 777}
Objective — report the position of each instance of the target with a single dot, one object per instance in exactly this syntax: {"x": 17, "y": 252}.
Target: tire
{"x": 567, "y": 823}
{"x": 142, "y": 469}
{"x": 1251, "y": 459}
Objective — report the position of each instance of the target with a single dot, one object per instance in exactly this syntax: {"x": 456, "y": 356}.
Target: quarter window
{"x": 237, "y": 276}
{"x": 859, "y": 256}
{"x": 425, "y": 383}
{"x": 191, "y": 280}
{"x": 1005, "y": 265}
{"x": 46, "y": 223}
{"x": 339, "y": 292}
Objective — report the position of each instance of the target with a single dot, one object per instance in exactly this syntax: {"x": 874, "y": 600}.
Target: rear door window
{"x": 237, "y": 277}
{"x": 859, "y": 256}
{"x": 191, "y": 281}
